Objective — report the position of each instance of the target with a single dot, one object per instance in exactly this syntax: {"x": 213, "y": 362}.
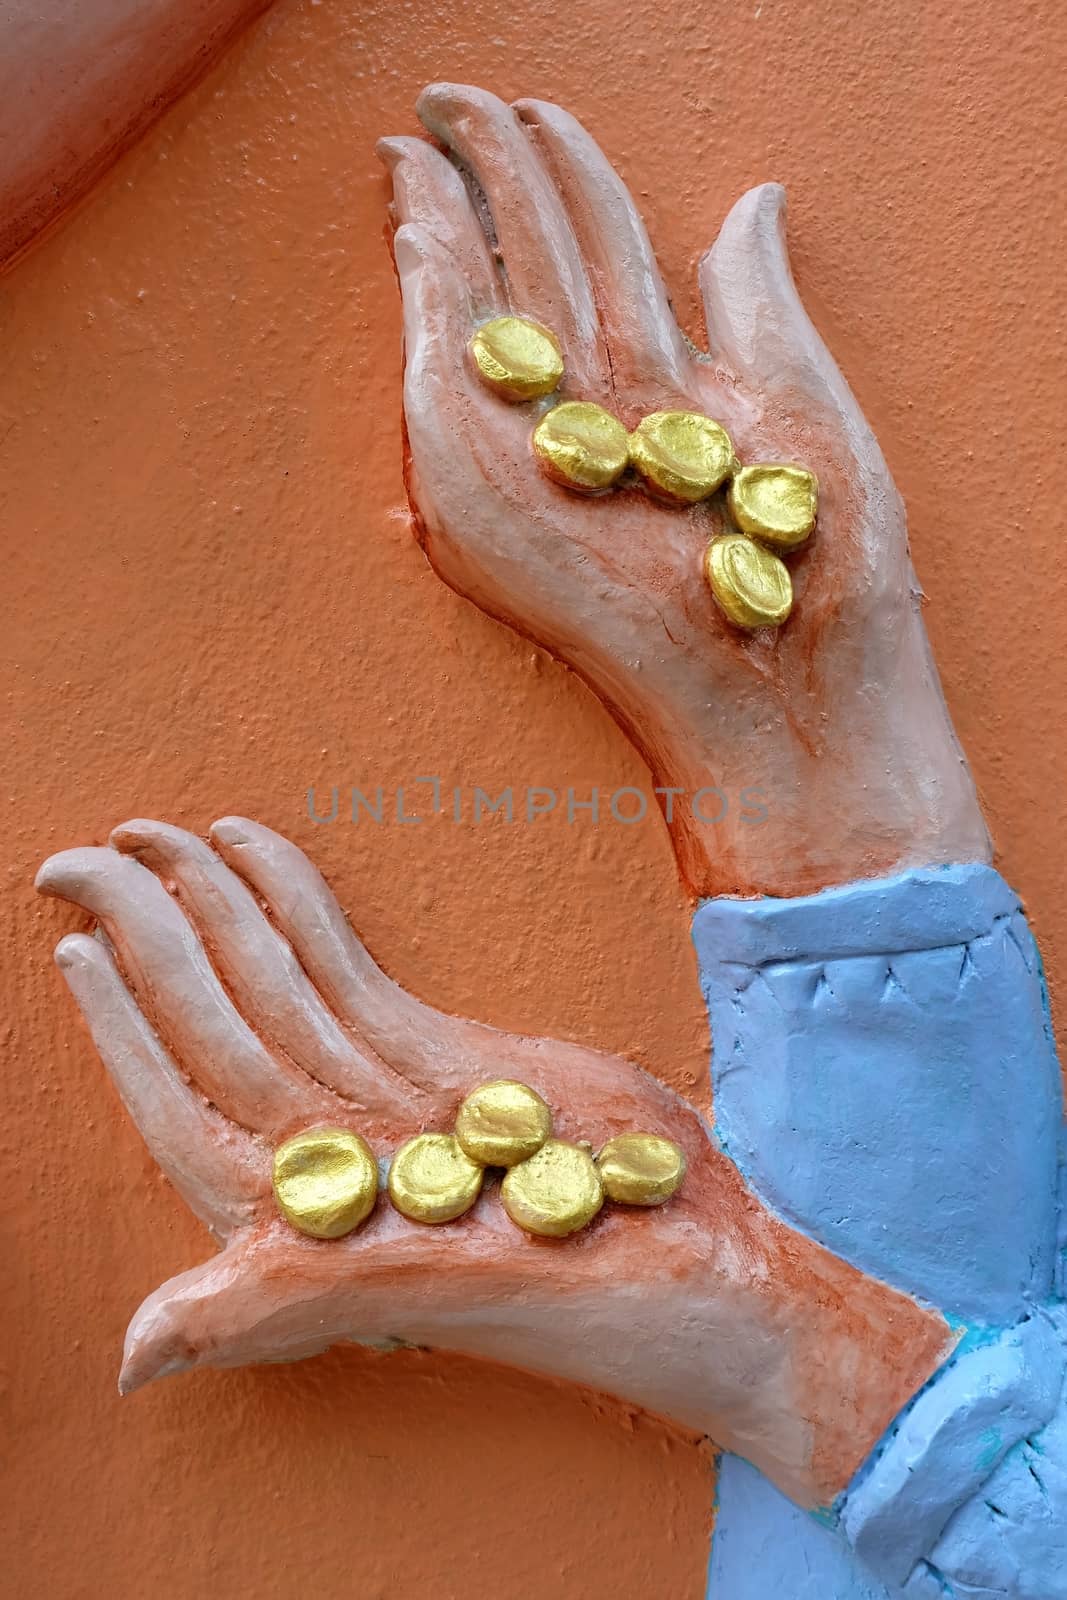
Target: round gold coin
{"x": 681, "y": 454}
{"x": 431, "y": 1180}
{"x": 750, "y": 584}
{"x": 502, "y": 1123}
{"x": 774, "y": 503}
{"x": 555, "y": 1193}
{"x": 581, "y": 446}
{"x": 325, "y": 1181}
{"x": 641, "y": 1169}
{"x": 517, "y": 358}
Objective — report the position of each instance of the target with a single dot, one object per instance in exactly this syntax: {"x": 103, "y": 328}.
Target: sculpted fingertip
{"x": 133, "y": 1376}
{"x": 770, "y": 196}
{"x": 231, "y": 831}
{"x": 129, "y": 837}
{"x": 75, "y": 950}
{"x": 42, "y": 881}
{"x": 761, "y": 209}
{"x": 131, "y": 1373}
{"x": 143, "y": 1364}
{"x": 61, "y": 873}
{"x": 533, "y": 111}
{"x": 439, "y": 103}
{"x": 410, "y": 247}
{"x": 390, "y": 152}
{"x": 154, "y": 1347}
{"x": 435, "y": 98}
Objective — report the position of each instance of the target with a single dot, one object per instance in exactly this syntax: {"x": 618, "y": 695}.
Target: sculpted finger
{"x": 419, "y": 1041}
{"x": 260, "y": 970}
{"x": 183, "y": 1319}
{"x": 451, "y": 420}
{"x": 428, "y": 1046}
{"x": 543, "y": 267}
{"x": 169, "y": 973}
{"x": 758, "y": 325}
{"x": 438, "y": 320}
{"x": 647, "y": 348}
{"x": 272, "y": 1296}
{"x": 221, "y": 1171}
{"x": 429, "y": 191}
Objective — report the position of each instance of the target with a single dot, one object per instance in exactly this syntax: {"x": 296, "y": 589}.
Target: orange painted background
{"x": 215, "y": 601}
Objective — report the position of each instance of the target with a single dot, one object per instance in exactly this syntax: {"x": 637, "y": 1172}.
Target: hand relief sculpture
{"x": 854, "y": 1287}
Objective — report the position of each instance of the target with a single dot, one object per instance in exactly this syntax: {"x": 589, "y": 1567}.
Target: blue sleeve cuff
{"x": 948, "y": 1443}
{"x": 885, "y": 1079}
{"x": 919, "y": 910}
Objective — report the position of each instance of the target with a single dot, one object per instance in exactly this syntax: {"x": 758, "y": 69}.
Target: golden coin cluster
{"x": 682, "y": 457}
{"x": 326, "y": 1179}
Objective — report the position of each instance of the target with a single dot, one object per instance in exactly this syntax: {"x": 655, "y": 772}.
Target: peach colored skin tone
{"x": 80, "y": 80}
{"x": 838, "y": 715}
{"x": 753, "y": 1342}
{"x": 883, "y": 227}
{"x": 707, "y": 1310}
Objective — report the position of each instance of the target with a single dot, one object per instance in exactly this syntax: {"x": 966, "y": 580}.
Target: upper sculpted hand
{"x": 234, "y": 1007}
{"x": 837, "y": 717}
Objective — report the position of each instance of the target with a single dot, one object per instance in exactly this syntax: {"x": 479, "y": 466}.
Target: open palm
{"x": 234, "y": 1006}
{"x": 530, "y": 217}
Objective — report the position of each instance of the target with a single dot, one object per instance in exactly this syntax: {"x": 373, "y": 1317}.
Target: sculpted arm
{"x": 235, "y": 1008}
{"x": 883, "y": 1068}
{"x": 876, "y": 1002}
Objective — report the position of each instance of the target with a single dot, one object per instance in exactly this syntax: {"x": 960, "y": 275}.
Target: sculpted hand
{"x": 234, "y": 1006}
{"x": 837, "y": 717}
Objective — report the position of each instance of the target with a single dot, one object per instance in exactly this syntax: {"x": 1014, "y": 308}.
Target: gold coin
{"x": 581, "y": 445}
{"x": 431, "y": 1180}
{"x": 555, "y": 1193}
{"x": 325, "y": 1181}
{"x": 751, "y": 585}
{"x": 776, "y": 504}
{"x": 517, "y": 358}
{"x": 640, "y": 1169}
{"x": 681, "y": 454}
{"x": 502, "y": 1123}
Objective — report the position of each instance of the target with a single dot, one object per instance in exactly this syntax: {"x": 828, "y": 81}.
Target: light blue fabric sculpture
{"x": 885, "y": 1078}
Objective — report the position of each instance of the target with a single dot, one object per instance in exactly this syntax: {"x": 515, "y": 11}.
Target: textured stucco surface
{"x": 215, "y": 600}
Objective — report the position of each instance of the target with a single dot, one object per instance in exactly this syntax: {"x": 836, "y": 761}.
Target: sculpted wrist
{"x": 881, "y": 788}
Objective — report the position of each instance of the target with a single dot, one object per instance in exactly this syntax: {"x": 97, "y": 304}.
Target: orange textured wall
{"x": 214, "y": 600}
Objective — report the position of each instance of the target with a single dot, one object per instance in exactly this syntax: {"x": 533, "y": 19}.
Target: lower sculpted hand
{"x": 837, "y": 716}
{"x": 234, "y": 1007}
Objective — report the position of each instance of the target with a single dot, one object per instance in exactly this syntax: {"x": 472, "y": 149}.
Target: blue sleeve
{"x": 886, "y": 1080}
